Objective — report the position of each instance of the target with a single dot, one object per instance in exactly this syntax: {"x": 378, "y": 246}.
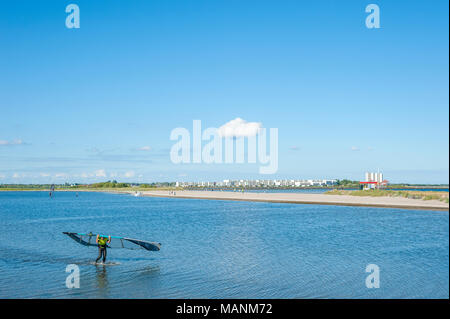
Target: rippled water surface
{"x": 219, "y": 249}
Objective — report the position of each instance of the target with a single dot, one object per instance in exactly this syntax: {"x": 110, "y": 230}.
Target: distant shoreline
{"x": 303, "y": 198}
{"x": 129, "y": 189}
{"x": 287, "y": 197}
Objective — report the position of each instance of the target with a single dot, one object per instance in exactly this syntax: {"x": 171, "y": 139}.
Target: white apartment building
{"x": 261, "y": 183}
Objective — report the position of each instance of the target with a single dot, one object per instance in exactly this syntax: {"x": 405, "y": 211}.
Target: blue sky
{"x": 99, "y": 102}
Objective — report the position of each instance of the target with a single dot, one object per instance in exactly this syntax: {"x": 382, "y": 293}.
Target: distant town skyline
{"x": 99, "y": 102}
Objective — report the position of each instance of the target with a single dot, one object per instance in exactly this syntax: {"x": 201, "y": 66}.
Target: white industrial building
{"x": 373, "y": 181}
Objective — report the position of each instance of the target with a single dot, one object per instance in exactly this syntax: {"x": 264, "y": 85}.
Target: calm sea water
{"x": 219, "y": 249}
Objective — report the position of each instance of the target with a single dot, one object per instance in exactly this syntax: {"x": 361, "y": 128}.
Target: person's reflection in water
{"x": 102, "y": 281}
{"x": 146, "y": 282}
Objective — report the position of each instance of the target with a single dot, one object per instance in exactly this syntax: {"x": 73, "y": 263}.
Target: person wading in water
{"x": 101, "y": 242}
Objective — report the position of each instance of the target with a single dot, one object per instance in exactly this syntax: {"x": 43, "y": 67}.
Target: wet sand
{"x": 302, "y": 198}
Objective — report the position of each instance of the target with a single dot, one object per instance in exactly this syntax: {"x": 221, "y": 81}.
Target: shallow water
{"x": 219, "y": 249}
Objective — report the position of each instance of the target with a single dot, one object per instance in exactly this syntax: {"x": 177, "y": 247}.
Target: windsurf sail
{"x": 116, "y": 242}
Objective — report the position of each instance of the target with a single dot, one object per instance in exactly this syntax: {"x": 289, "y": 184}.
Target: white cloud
{"x": 93, "y": 150}
{"x": 100, "y": 173}
{"x": 14, "y": 142}
{"x": 239, "y": 128}
{"x": 129, "y": 174}
{"x": 2, "y": 176}
{"x": 145, "y": 148}
{"x": 44, "y": 174}
{"x": 294, "y": 148}
{"x": 16, "y": 175}
{"x": 61, "y": 175}
{"x": 355, "y": 148}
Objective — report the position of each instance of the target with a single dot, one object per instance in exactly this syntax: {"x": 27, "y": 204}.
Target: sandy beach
{"x": 302, "y": 198}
